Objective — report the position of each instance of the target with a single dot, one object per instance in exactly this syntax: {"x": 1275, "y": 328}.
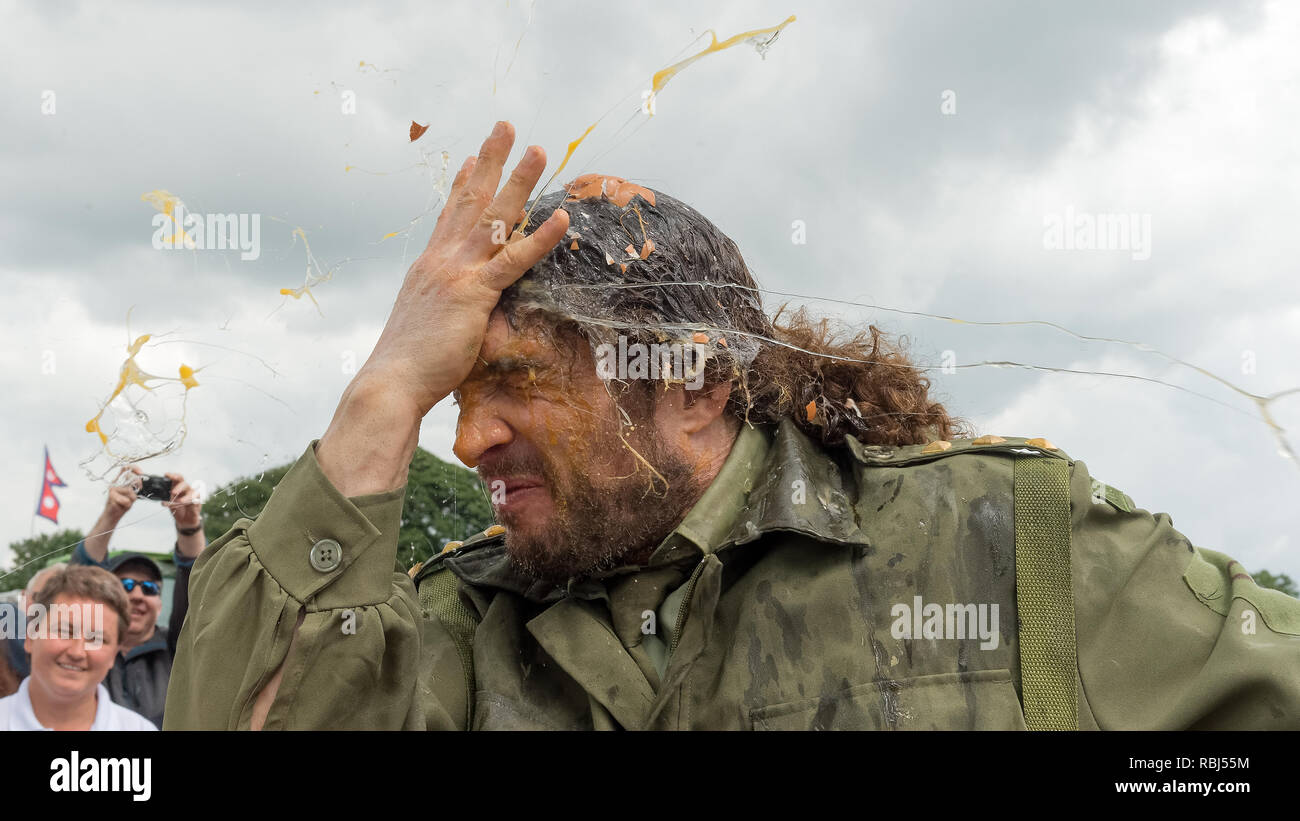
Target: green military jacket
{"x": 978, "y": 584}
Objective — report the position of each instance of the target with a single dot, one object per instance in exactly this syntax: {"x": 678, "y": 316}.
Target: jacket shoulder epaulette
{"x": 895, "y": 456}
{"x": 884, "y": 455}
{"x": 494, "y": 535}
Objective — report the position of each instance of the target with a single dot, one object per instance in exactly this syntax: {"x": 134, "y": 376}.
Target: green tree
{"x": 30, "y": 555}
{"x": 1280, "y": 581}
{"x": 443, "y": 502}
{"x": 242, "y": 498}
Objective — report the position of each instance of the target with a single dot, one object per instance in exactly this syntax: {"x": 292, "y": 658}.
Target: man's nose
{"x": 479, "y": 428}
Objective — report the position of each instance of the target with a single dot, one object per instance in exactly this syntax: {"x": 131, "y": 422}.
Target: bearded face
{"x": 581, "y": 482}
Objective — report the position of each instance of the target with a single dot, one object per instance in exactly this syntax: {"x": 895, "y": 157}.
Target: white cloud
{"x": 839, "y": 126}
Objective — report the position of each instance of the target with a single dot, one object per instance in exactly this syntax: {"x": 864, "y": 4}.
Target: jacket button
{"x": 326, "y": 555}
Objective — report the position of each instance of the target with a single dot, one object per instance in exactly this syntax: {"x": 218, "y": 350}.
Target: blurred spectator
{"x": 78, "y": 622}
{"x": 138, "y": 679}
{"x": 14, "y": 664}
{"x": 8, "y": 678}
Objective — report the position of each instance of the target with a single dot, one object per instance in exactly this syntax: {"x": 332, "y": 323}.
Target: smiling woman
{"x": 81, "y": 613}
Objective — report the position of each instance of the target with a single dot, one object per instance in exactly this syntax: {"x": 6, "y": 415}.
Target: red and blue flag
{"x": 48, "y": 506}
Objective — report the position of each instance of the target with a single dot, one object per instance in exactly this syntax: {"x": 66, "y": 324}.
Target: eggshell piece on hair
{"x": 615, "y": 189}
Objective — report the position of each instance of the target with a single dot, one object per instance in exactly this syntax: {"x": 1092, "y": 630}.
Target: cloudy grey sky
{"x": 913, "y": 198}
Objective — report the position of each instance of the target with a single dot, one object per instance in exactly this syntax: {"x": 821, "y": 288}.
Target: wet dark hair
{"x": 830, "y": 381}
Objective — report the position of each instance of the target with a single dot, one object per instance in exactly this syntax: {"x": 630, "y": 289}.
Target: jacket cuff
{"x": 305, "y": 509}
{"x": 178, "y": 558}
{"x": 80, "y": 556}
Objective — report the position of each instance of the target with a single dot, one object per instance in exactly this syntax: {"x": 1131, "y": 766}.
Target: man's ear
{"x": 690, "y": 411}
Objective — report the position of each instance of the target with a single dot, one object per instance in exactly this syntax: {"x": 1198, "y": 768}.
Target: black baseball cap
{"x": 135, "y": 558}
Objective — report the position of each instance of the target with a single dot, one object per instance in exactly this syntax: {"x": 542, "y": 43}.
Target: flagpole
{"x": 32, "y": 531}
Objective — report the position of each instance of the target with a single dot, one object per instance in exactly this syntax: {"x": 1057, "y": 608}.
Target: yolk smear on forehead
{"x": 528, "y": 367}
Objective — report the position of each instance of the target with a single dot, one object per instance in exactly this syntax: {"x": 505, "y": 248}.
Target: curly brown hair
{"x": 833, "y": 384}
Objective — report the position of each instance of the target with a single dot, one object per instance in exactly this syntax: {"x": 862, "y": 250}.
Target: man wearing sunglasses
{"x": 142, "y": 668}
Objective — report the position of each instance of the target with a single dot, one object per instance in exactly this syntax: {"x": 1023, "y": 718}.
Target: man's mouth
{"x": 517, "y": 485}
{"x": 499, "y": 486}
{"x": 73, "y": 667}
{"x": 510, "y": 495}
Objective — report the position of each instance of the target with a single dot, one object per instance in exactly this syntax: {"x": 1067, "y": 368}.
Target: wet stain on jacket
{"x": 889, "y": 688}
{"x": 763, "y": 676}
{"x": 792, "y": 628}
{"x": 828, "y": 706}
{"x": 991, "y": 523}
{"x": 898, "y": 485}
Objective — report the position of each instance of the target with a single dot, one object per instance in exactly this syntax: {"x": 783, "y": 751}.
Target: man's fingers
{"x": 457, "y": 185}
{"x": 517, "y": 257}
{"x": 486, "y": 175}
{"x": 121, "y": 497}
{"x": 499, "y": 218}
{"x": 126, "y": 479}
{"x": 467, "y": 206}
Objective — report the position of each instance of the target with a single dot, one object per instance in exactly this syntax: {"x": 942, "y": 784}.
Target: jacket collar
{"x": 158, "y": 641}
{"x": 773, "y": 480}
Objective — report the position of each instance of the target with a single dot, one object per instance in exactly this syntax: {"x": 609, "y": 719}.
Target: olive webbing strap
{"x": 1049, "y": 670}
{"x": 439, "y": 596}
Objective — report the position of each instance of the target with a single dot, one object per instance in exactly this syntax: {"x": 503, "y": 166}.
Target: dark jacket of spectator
{"x": 14, "y": 664}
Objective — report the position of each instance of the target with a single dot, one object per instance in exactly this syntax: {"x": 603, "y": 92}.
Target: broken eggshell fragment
{"x": 615, "y": 189}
